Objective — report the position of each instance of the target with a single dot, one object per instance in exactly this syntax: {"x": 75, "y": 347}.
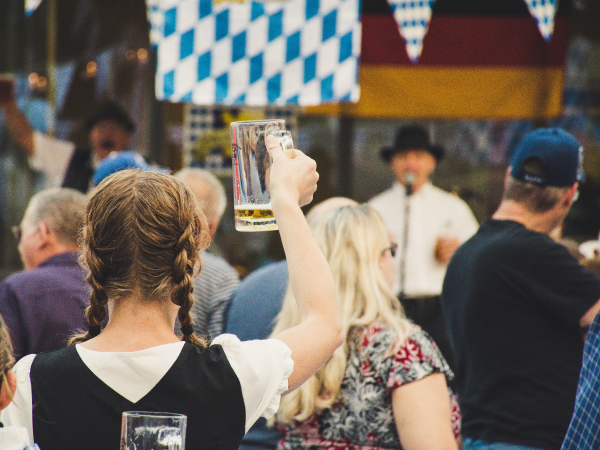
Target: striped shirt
{"x": 213, "y": 289}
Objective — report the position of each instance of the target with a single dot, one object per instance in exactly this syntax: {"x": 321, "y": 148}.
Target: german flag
{"x": 481, "y": 59}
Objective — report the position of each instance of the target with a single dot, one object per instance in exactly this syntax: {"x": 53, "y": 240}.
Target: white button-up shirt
{"x": 433, "y": 213}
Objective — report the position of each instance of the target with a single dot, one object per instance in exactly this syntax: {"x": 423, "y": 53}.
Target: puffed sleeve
{"x": 18, "y": 412}
{"x": 263, "y": 368}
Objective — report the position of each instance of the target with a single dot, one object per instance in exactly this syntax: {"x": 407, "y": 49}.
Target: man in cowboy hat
{"x": 61, "y": 162}
{"x": 428, "y": 225}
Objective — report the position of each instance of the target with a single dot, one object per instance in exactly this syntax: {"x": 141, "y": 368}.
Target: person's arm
{"x": 18, "y": 126}
{"x": 292, "y": 184}
{"x": 422, "y": 414}
{"x": 445, "y": 248}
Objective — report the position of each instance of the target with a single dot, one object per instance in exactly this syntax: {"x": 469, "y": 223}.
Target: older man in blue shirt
{"x": 44, "y": 304}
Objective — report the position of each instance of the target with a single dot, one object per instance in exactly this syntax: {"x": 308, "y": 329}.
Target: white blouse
{"x": 262, "y": 367}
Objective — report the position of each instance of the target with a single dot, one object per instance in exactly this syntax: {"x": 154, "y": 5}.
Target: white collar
{"x": 131, "y": 374}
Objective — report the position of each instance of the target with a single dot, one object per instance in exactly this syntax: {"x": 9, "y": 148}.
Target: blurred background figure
{"x": 61, "y": 162}
{"x": 514, "y": 299}
{"x": 252, "y": 312}
{"x": 15, "y": 437}
{"x": 44, "y": 304}
{"x": 386, "y": 386}
{"x": 428, "y": 224}
{"x": 117, "y": 161}
{"x": 214, "y": 286}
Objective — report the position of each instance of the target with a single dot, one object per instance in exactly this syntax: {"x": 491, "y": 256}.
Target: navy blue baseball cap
{"x": 559, "y": 152}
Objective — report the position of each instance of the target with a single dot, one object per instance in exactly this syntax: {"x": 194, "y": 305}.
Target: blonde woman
{"x": 142, "y": 237}
{"x": 385, "y": 388}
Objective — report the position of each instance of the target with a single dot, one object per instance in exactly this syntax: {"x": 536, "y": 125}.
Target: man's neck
{"x": 542, "y": 223}
{"x": 416, "y": 187}
{"x": 47, "y": 253}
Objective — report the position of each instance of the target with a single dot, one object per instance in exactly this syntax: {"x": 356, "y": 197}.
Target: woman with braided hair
{"x": 141, "y": 241}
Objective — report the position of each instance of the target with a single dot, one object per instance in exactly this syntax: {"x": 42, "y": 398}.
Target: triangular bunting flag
{"x": 543, "y": 11}
{"x": 412, "y": 17}
{"x": 31, "y": 6}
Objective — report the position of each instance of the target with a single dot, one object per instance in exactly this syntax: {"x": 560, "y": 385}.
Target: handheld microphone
{"x": 409, "y": 180}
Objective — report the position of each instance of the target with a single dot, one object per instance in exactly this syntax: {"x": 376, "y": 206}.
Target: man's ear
{"x": 45, "y": 234}
{"x": 507, "y": 174}
{"x": 213, "y": 225}
{"x": 571, "y": 195}
{"x": 7, "y": 389}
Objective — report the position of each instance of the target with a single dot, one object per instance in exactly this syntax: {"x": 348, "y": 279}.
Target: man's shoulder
{"x": 508, "y": 239}
{"x": 45, "y": 275}
{"x": 274, "y": 270}
{"x": 216, "y": 274}
{"x": 274, "y": 275}
{"x": 214, "y": 262}
{"x": 23, "y": 278}
{"x": 443, "y": 195}
{"x": 382, "y": 197}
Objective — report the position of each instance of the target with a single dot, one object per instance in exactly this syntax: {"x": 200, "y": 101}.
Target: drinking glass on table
{"x": 251, "y": 170}
{"x": 144, "y": 430}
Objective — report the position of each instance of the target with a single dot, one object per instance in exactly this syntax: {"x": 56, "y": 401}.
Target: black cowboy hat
{"x": 111, "y": 111}
{"x": 412, "y": 137}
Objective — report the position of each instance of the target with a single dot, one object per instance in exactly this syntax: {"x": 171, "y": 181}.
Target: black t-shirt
{"x": 512, "y": 300}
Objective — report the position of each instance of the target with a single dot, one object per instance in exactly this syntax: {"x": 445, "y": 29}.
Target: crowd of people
{"x": 400, "y": 323}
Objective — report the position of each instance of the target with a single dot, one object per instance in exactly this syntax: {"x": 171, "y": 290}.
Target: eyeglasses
{"x": 17, "y": 232}
{"x": 392, "y": 248}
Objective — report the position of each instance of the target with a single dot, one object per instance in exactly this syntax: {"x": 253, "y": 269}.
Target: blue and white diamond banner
{"x": 544, "y": 12}
{"x": 257, "y": 53}
{"x": 412, "y": 17}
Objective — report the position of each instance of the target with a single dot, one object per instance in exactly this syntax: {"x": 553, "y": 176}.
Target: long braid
{"x": 96, "y": 278}
{"x": 183, "y": 270}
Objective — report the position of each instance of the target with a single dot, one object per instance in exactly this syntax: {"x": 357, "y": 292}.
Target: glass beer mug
{"x": 251, "y": 169}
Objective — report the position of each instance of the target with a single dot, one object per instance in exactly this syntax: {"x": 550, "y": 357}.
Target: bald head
{"x": 328, "y": 205}
{"x": 209, "y": 192}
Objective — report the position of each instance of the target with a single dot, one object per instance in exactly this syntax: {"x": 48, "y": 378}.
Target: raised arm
{"x": 292, "y": 184}
{"x": 18, "y": 125}
{"x": 422, "y": 414}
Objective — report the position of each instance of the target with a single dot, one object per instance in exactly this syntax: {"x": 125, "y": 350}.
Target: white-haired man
{"x": 44, "y": 304}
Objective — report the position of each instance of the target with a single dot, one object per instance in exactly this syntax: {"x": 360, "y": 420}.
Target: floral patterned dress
{"x": 363, "y": 418}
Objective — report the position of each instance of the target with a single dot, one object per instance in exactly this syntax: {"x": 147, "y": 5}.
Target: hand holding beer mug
{"x": 252, "y": 171}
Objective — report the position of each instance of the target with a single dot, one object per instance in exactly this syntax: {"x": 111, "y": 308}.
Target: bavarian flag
{"x": 480, "y": 59}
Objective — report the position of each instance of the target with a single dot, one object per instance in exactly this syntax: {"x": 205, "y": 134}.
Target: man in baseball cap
{"x": 514, "y": 299}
